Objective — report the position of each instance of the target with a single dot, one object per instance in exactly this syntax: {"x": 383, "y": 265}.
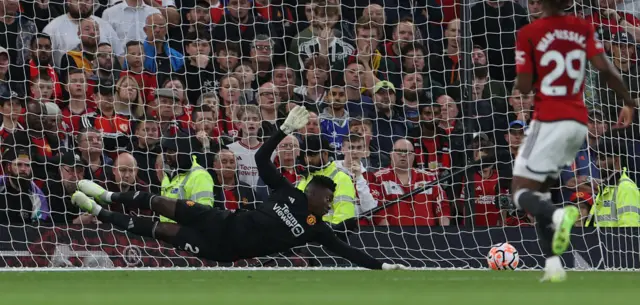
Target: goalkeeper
{"x": 288, "y": 219}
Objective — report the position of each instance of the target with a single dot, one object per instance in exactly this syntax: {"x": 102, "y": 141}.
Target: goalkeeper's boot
{"x": 553, "y": 271}
{"x": 84, "y": 203}
{"x": 94, "y": 190}
{"x": 562, "y": 235}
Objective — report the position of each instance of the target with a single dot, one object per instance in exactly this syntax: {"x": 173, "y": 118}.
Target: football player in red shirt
{"x": 551, "y": 57}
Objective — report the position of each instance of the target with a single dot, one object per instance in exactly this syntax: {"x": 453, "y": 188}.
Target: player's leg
{"x": 179, "y": 236}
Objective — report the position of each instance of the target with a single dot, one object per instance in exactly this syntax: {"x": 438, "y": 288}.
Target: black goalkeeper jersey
{"x": 284, "y": 221}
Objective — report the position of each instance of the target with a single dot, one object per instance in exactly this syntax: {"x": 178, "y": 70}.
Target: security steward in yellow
{"x": 314, "y": 153}
{"x": 185, "y": 178}
{"x": 618, "y": 200}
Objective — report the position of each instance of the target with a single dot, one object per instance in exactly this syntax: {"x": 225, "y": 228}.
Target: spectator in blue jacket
{"x": 159, "y": 57}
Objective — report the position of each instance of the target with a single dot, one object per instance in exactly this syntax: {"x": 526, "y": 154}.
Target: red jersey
{"x": 146, "y": 81}
{"x": 423, "y": 209}
{"x": 555, "y": 50}
{"x": 72, "y": 122}
{"x": 4, "y": 133}
{"x": 432, "y": 153}
{"x": 486, "y": 213}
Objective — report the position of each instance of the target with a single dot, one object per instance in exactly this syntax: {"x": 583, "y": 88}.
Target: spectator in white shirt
{"x": 354, "y": 150}
{"x": 64, "y": 29}
{"x": 128, "y": 19}
{"x": 166, "y": 7}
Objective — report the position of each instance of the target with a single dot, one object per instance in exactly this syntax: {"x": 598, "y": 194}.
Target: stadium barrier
{"x": 425, "y": 247}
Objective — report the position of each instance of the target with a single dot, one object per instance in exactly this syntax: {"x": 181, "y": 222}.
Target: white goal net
{"x": 414, "y": 116}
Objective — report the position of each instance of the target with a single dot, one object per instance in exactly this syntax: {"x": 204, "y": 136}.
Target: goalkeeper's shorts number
{"x": 192, "y": 249}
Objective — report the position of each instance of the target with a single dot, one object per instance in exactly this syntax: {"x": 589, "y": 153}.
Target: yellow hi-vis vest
{"x": 617, "y": 206}
{"x": 195, "y": 185}
{"x": 343, "y": 206}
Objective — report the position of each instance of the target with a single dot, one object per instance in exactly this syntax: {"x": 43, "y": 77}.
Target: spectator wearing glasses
{"x": 268, "y": 101}
{"x": 427, "y": 208}
{"x": 260, "y": 59}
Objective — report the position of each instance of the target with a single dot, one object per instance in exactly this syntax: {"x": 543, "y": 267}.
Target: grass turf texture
{"x": 315, "y": 287}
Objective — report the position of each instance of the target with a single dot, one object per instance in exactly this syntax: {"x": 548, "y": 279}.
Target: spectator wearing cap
{"x": 388, "y": 123}
{"x": 41, "y": 145}
{"x": 90, "y": 147}
{"x": 63, "y": 29}
{"x": 238, "y": 25}
{"x": 430, "y": 142}
{"x": 427, "y": 208}
{"x": 16, "y": 31}
{"x": 114, "y": 127}
{"x": 83, "y": 56}
{"x": 165, "y": 106}
{"x": 198, "y": 72}
{"x": 125, "y": 179}
{"x": 41, "y": 61}
{"x": 64, "y": 173}
{"x": 321, "y": 38}
{"x": 315, "y": 153}
{"x": 606, "y": 15}
{"x": 623, "y": 57}
{"x": 159, "y": 57}
{"x": 22, "y": 201}
{"x": 584, "y": 202}
{"x": 514, "y": 136}
{"x": 231, "y": 193}
{"x": 145, "y": 148}
{"x": 128, "y": 17}
{"x": 495, "y": 23}
{"x": 185, "y": 178}
{"x": 11, "y": 108}
{"x": 618, "y": 201}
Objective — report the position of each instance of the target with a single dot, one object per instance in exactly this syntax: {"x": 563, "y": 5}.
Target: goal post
{"x": 113, "y": 101}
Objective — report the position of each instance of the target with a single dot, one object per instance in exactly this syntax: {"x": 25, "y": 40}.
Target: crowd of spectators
{"x": 175, "y": 98}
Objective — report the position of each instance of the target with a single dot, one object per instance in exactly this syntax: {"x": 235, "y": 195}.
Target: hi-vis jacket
{"x": 618, "y": 205}
{"x": 195, "y": 184}
{"x": 343, "y": 206}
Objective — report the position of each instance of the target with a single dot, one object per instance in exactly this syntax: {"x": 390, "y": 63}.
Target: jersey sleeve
{"x": 328, "y": 239}
{"x": 594, "y": 46}
{"x": 524, "y": 53}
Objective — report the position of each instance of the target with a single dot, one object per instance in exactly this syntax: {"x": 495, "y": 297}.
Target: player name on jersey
{"x": 568, "y": 35}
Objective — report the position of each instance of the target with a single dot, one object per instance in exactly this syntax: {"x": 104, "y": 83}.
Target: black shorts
{"x": 202, "y": 230}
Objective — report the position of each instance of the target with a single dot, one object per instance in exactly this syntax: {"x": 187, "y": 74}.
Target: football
{"x": 503, "y": 256}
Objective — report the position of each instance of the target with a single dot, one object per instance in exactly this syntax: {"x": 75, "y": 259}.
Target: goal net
{"x": 413, "y": 115}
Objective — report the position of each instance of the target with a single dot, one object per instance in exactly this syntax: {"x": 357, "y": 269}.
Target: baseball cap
{"x": 621, "y": 38}
{"x": 314, "y": 144}
{"x": 580, "y": 197}
{"x": 9, "y": 95}
{"x": 166, "y": 92}
{"x": 72, "y": 159}
{"x": 14, "y": 153}
{"x": 52, "y": 109}
{"x": 104, "y": 87}
{"x": 596, "y": 115}
{"x": 385, "y": 84}
{"x": 517, "y": 124}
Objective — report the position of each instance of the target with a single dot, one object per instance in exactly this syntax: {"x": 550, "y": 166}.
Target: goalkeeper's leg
{"x": 179, "y": 236}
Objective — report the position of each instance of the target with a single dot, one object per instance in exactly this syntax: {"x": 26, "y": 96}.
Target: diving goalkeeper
{"x": 288, "y": 219}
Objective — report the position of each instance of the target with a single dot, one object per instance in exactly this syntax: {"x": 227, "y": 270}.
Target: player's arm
{"x": 524, "y": 64}
{"x": 330, "y": 241}
{"x": 297, "y": 118}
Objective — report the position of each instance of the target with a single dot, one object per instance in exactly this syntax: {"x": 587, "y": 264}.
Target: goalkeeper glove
{"x": 297, "y": 118}
{"x": 386, "y": 267}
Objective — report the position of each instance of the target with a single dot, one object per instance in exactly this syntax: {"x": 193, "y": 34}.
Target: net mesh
{"x": 406, "y": 97}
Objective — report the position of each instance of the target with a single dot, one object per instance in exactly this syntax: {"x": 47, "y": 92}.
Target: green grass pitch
{"x": 305, "y": 287}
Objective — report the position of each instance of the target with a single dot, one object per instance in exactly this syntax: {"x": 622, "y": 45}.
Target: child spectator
{"x": 246, "y": 77}
{"x": 42, "y": 89}
{"x": 78, "y": 105}
{"x": 249, "y": 143}
{"x": 227, "y": 59}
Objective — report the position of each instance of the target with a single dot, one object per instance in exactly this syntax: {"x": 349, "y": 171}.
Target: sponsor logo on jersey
{"x": 190, "y": 203}
{"x": 311, "y": 220}
{"x": 286, "y": 216}
{"x": 291, "y": 199}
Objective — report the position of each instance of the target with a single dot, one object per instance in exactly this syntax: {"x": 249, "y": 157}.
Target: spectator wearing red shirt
{"x": 134, "y": 61}
{"x": 42, "y": 60}
{"x": 78, "y": 105}
{"x": 607, "y": 17}
{"x": 229, "y": 192}
{"x": 90, "y": 149}
{"x": 125, "y": 179}
{"x": 430, "y": 142}
{"x": 428, "y": 208}
{"x": 115, "y": 127}
{"x": 11, "y": 109}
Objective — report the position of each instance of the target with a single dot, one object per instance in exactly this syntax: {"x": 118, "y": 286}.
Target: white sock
{"x": 557, "y": 216}
{"x": 96, "y": 209}
{"x": 553, "y": 262}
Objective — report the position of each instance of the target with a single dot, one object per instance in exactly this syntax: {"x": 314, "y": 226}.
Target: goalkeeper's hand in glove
{"x": 297, "y": 118}
{"x": 386, "y": 266}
